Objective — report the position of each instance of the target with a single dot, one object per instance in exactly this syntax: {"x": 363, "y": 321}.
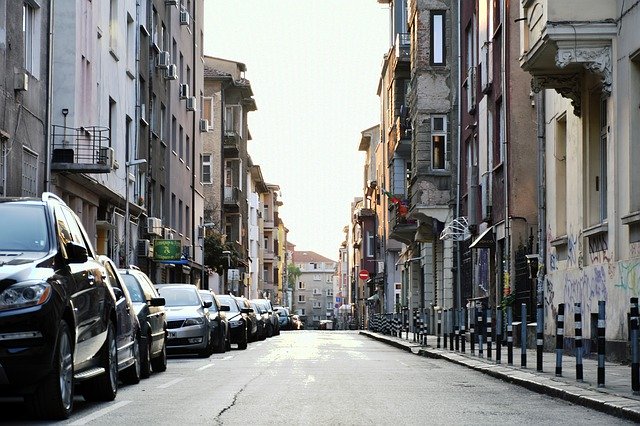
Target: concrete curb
{"x": 606, "y": 403}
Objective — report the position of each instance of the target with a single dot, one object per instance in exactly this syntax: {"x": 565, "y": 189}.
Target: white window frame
{"x": 370, "y": 244}
{"x": 113, "y": 26}
{"x": 317, "y": 304}
{"x": 329, "y": 305}
{"x": 29, "y": 173}
{"x": 438, "y": 37}
{"x": 302, "y": 298}
{"x": 316, "y": 277}
{"x": 206, "y": 169}
{"x": 440, "y": 133}
{"x": 31, "y": 30}
{"x": 301, "y": 285}
{"x": 316, "y": 291}
{"x": 209, "y": 117}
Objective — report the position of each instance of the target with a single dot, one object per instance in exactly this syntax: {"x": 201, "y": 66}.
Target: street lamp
{"x": 127, "y": 221}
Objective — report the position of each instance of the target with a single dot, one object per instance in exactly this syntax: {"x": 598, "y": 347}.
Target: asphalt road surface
{"x": 320, "y": 378}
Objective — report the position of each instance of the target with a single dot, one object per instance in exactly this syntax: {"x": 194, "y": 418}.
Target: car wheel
{"x": 159, "y": 363}
{"x": 270, "y": 330}
{"x": 222, "y": 343}
{"x": 227, "y": 342}
{"x": 131, "y": 375}
{"x": 242, "y": 343}
{"x": 53, "y": 399}
{"x": 105, "y": 386}
{"x": 145, "y": 354}
{"x": 208, "y": 350}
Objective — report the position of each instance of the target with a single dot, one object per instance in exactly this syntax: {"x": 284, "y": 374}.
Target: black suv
{"x": 57, "y": 309}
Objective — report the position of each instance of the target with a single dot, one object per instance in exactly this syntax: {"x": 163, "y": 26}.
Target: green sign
{"x": 167, "y": 250}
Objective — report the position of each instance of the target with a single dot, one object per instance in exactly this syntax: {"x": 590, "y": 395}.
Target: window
{"x": 28, "y": 29}
{"x": 161, "y": 124}
{"x": 438, "y": 51}
{"x": 187, "y": 154}
{"x": 302, "y": 298}
{"x": 330, "y": 292}
{"x": 301, "y": 285}
{"x": 438, "y": 142}
{"x": 207, "y": 110}
{"x": 603, "y": 160}
{"x": 154, "y": 114}
{"x": 596, "y": 173}
{"x": 302, "y": 311}
{"x": 316, "y": 291}
{"x": 206, "y": 168}
{"x": 29, "y": 173}
{"x": 174, "y": 215}
{"x": 316, "y": 317}
{"x": 370, "y": 244}
{"x": 174, "y": 136}
{"x": 329, "y": 306}
{"x": 560, "y": 160}
{"x": 469, "y": 83}
{"x": 154, "y": 28}
{"x": 316, "y": 277}
{"x": 180, "y": 141}
{"x": 113, "y": 24}
{"x": 233, "y": 119}
{"x": 131, "y": 45}
{"x": 180, "y": 218}
{"x": 501, "y": 131}
{"x": 317, "y": 305}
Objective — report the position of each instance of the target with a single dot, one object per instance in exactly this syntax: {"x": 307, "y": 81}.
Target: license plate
{"x": 173, "y": 335}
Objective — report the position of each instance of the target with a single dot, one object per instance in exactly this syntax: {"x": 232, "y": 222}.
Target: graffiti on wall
{"x": 573, "y": 250}
{"x": 483, "y": 270}
{"x": 587, "y": 287}
{"x": 629, "y": 281}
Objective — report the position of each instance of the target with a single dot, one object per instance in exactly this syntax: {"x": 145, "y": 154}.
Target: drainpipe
{"x": 458, "y": 169}
{"x": 47, "y": 145}
{"x": 196, "y": 131}
{"x": 542, "y": 200}
{"x": 505, "y": 107}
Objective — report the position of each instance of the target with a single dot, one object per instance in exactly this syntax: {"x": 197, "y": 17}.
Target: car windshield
{"x": 24, "y": 228}
{"x": 228, "y": 300}
{"x": 208, "y": 297}
{"x": 179, "y": 296}
{"x": 135, "y": 291}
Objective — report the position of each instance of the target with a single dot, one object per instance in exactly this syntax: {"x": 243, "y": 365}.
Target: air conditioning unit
{"x": 144, "y": 248}
{"x": 154, "y": 226}
{"x": 172, "y": 72}
{"x": 191, "y": 103}
{"x": 163, "y": 60}
{"x": 105, "y": 156}
{"x": 184, "y": 91}
{"x": 167, "y": 233}
{"x": 204, "y": 125}
{"x": 21, "y": 81}
{"x": 184, "y": 17}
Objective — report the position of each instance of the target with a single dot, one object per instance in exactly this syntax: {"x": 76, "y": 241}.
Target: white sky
{"x": 314, "y": 67}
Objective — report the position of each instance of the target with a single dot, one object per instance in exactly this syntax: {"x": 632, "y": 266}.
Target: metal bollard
{"x": 559, "y": 339}
{"x": 601, "y": 342}
{"x": 445, "y": 328}
{"x": 439, "y": 329}
{"x": 635, "y": 362}
{"x": 457, "y": 328}
{"x": 489, "y": 329}
{"x": 463, "y": 329}
{"x": 472, "y": 330}
{"x": 509, "y": 335}
{"x": 578, "y": 338}
{"x": 498, "y": 334}
{"x": 523, "y": 336}
{"x": 451, "y": 327}
{"x": 539, "y": 337}
{"x": 480, "y": 325}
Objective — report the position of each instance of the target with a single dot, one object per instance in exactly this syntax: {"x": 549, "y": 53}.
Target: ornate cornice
{"x": 567, "y": 85}
{"x": 595, "y": 59}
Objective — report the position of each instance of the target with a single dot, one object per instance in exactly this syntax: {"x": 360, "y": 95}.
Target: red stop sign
{"x": 363, "y": 274}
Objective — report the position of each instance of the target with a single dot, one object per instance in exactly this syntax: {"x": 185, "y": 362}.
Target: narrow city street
{"x": 321, "y": 377}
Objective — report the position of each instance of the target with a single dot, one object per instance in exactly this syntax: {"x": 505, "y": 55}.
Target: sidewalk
{"x": 616, "y": 398}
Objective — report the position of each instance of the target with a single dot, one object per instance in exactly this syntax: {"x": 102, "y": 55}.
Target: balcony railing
{"x": 231, "y": 195}
{"x": 82, "y": 150}
{"x": 231, "y": 143}
{"x": 403, "y": 45}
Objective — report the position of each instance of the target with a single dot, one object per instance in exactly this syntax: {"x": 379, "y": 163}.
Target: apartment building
{"x": 24, "y": 55}
{"x": 313, "y": 292}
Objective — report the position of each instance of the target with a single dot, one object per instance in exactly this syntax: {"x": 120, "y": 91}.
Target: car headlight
{"x": 24, "y": 294}
{"x": 193, "y": 321}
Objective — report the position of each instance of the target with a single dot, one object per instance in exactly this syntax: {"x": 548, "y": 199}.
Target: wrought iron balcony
{"x": 82, "y": 150}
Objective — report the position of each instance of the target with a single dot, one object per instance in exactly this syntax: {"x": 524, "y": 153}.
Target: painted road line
{"x": 227, "y": 357}
{"x": 100, "y": 413}
{"x": 204, "y": 367}
{"x": 171, "y": 383}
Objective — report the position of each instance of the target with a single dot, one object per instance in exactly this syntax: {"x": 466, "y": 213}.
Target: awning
{"x": 484, "y": 240}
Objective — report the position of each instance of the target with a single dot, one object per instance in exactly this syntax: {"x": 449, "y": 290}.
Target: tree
{"x": 214, "y": 258}
{"x": 293, "y": 273}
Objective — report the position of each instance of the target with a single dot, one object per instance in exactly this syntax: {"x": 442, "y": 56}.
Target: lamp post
{"x": 127, "y": 221}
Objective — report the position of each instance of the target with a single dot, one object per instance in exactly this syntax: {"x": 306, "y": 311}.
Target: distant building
{"x": 313, "y": 298}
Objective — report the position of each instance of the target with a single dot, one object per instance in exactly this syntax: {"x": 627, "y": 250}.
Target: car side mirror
{"x": 207, "y": 304}
{"x": 246, "y": 310}
{"x": 76, "y": 253}
{"x": 225, "y": 308}
{"x": 118, "y": 293}
{"x": 157, "y": 301}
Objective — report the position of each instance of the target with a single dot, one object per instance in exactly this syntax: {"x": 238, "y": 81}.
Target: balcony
{"x": 82, "y": 150}
{"x": 560, "y": 39}
{"x": 402, "y": 227}
{"x": 231, "y": 143}
{"x": 402, "y": 46}
{"x": 231, "y": 198}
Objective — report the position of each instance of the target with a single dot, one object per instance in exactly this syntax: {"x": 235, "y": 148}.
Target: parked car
{"x": 296, "y": 323}
{"x": 149, "y": 308}
{"x": 284, "y": 317}
{"x": 238, "y": 320}
{"x": 219, "y": 323}
{"x": 262, "y": 319}
{"x": 57, "y": 312}
{"x": 273, "y": 317}
{"x": 270, "y": 319}
{"x": 127, "y": 330}
{"x": 252, "y": 318}
{"x": 188, "y": 325}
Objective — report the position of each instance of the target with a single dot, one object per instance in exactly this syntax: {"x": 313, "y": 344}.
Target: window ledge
{"x": 114, "y": 54}
{"x": 130, "y": 74}
{"x": 600, "y": 228}
{"x": 631, "y": 219}
{"x": 559, "y": 241}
